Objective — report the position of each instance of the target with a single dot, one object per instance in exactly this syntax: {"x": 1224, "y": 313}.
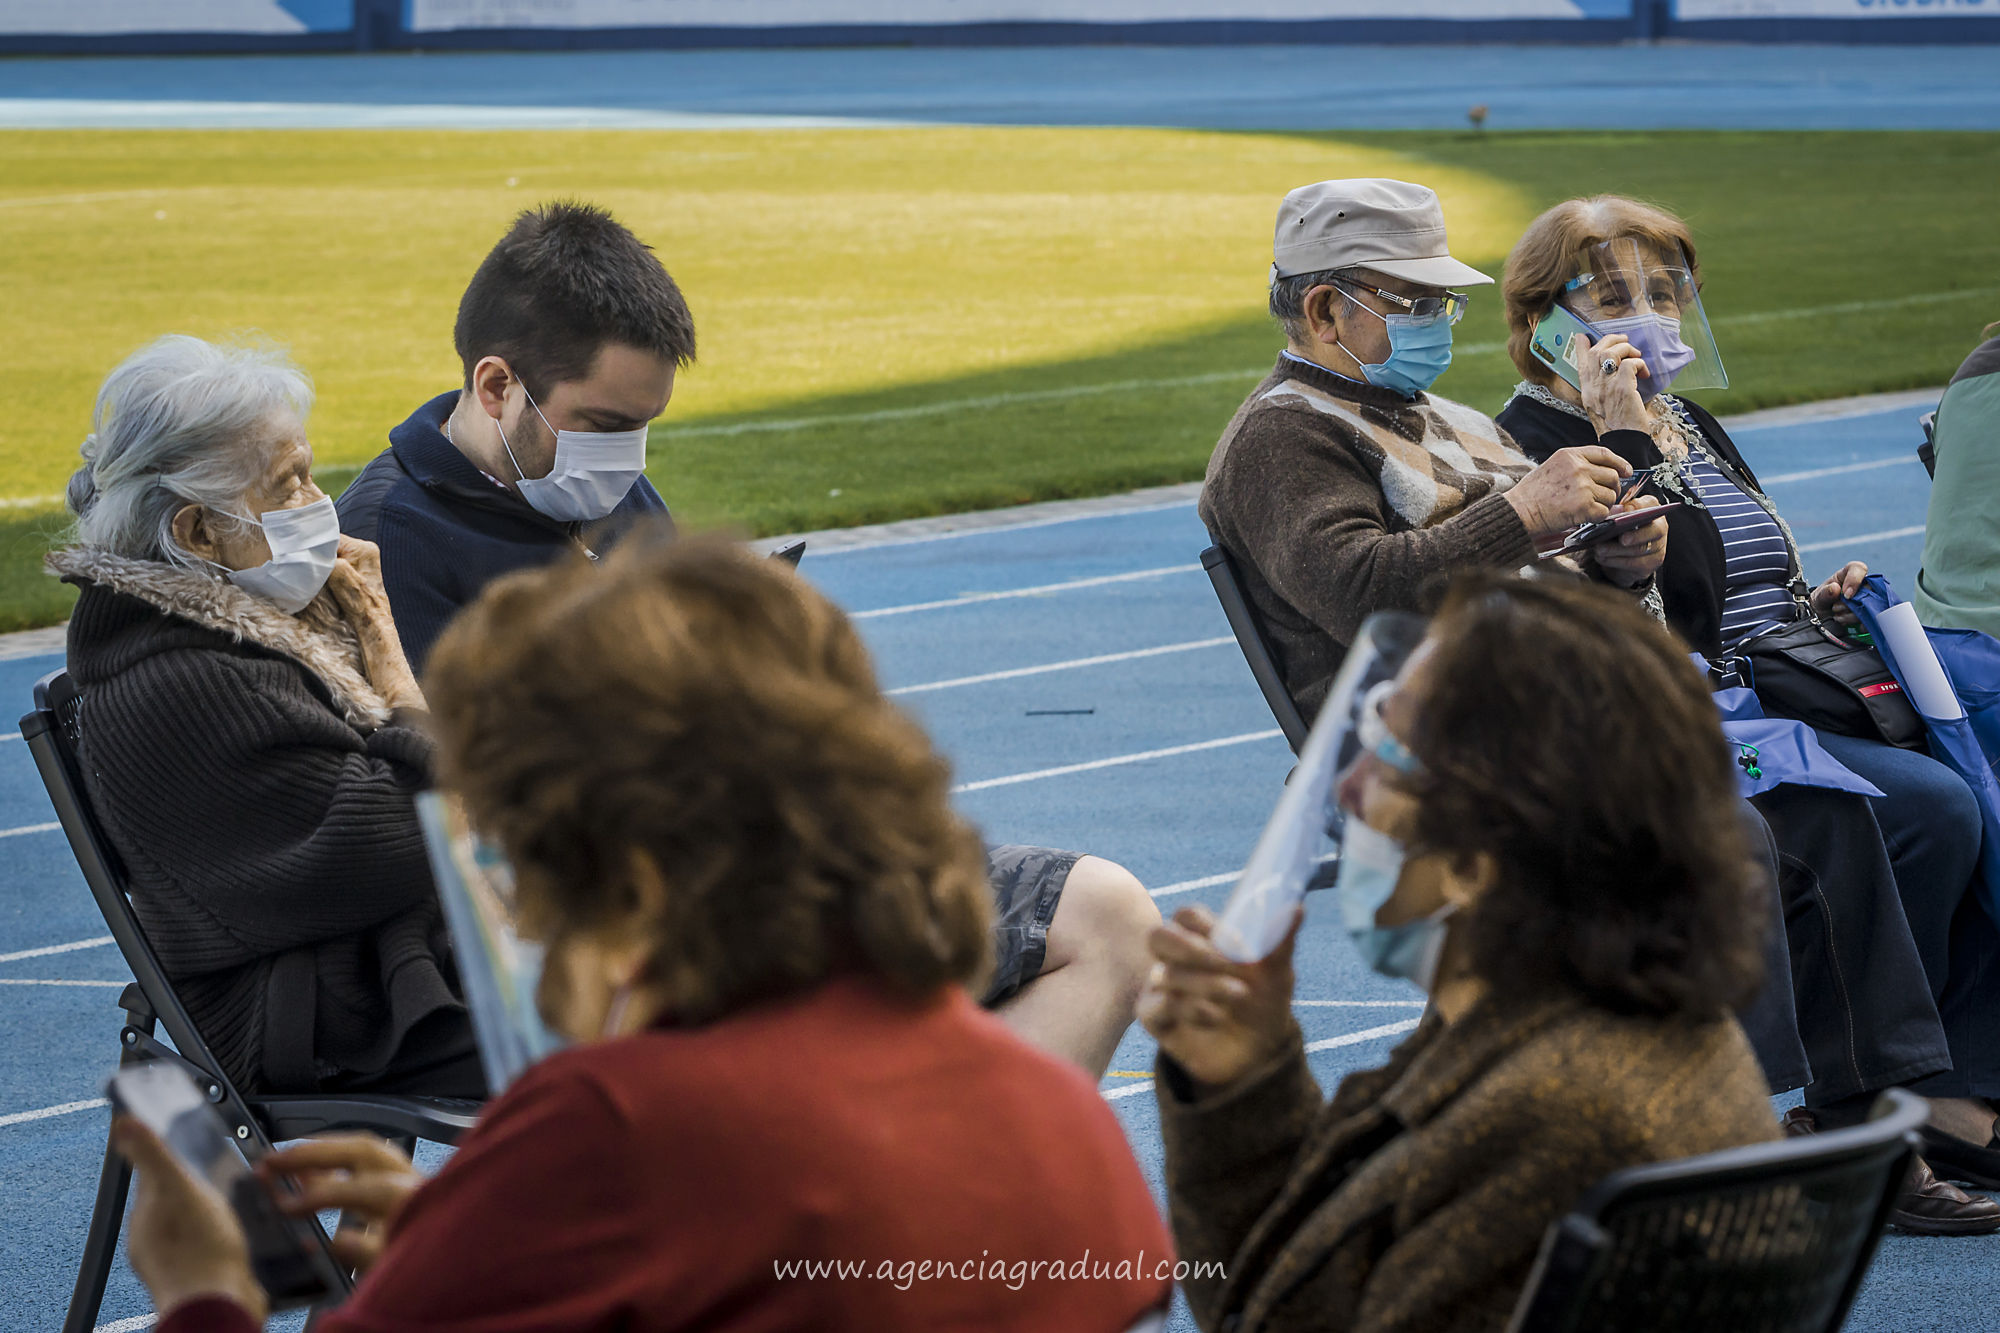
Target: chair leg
{"x": 100, "y": 1246}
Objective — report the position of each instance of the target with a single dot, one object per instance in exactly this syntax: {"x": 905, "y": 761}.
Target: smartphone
{"x": 288, "y": 1255}
{"x": 1561, "y": 342}
{"x": 1604, "y": 529}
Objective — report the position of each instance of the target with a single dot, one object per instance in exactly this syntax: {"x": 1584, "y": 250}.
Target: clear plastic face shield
{"x": 1648, "y": 294}
{"x": 1300, "y": 847}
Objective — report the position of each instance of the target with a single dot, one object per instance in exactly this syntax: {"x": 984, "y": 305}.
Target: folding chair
{"x": 1927, "y": 451}
{"x": 1256, "y": 649}
{"x": 52, "y": 732}
{"x": 1767, "y": 1239}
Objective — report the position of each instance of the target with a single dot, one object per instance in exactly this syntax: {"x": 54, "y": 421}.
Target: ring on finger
{"x": 1608, "y": 365}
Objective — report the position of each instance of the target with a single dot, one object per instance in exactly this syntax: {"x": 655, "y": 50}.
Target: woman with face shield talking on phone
{"x": 1578, "y": 902}
{"x": 1606, "y": 292}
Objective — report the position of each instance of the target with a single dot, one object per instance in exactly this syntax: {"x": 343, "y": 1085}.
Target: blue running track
{"x": 989, "y": 604}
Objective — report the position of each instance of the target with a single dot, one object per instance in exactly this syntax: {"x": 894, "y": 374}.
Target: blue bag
{"x": 1776, "y": 750}
{"x": 1967, "y": 745}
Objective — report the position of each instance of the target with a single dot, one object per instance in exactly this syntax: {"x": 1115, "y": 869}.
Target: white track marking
{"x": 1360, "y": 1004}
{"x": 11, "y": 736}
{"x": 48, "y": 949}
{"x": 9, "y": 981}
{"x": 1330, "y": 1043}
{"x": 1037, "y": 591}
{"x": 1815, "y": 474}
{"x": 47, "y": 1112}
{"x": 28, "y": 828}
{"x": 1887, "y": 535}
{"x": 1190, "y": 885}
{"x": 1072, "y": 664}
{"x": 1116, "y": 760}
{"x": 132, "y": 1325}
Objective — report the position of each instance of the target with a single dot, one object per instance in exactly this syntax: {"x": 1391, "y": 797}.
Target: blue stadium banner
{"x": 449, "y": 15}
{"x": 1701, "y": 11}
{"x": 120, "y": 18}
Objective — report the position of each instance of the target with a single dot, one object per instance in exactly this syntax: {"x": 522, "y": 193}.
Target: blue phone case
{"x": 1558, "y": 339}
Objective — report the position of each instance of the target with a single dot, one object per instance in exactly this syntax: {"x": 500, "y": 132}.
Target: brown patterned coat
{"x": 1338, "y": 499}
{"x": 1414, "y": 1200}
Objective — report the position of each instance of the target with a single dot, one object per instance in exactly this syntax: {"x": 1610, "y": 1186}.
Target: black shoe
{"x": 1954, "y": 1158}
{"x": 1925, "y": 1206}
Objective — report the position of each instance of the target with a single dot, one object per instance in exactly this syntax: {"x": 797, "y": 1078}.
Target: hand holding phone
{"x": 1605, "y": 529}
{"x": 190, "y": 1170}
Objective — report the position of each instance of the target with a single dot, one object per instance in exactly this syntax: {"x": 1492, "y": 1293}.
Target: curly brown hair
{"x": 713, "y": 711}
{"x": 1556, "y": 247}
{"x": 1567, "y": 736}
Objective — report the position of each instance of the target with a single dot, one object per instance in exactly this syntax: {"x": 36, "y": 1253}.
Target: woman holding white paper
{"x": 1626, "y": 274}
{"x": 1581, "y": 906}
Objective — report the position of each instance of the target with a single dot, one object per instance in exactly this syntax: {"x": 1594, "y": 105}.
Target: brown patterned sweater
{"x": 1415, "y": 1200}
{"x": 1337, "y": 499}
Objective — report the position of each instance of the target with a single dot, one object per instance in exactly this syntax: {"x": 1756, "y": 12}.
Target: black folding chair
{"x": 1768, "y": 1239}
{"x": 52, "y": 732}
{"x": 1927, "y": 451}
{"x": 1256, "y": 649}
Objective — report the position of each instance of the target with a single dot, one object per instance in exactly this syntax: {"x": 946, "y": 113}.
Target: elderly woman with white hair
{"x": 248, "y": 731}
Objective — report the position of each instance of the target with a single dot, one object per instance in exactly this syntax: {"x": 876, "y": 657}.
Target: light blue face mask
{"x": 1419, "y": 352}
{"x": 1371, "y": 863}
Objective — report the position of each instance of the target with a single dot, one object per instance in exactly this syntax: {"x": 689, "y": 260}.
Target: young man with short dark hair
{"x": 570, "y": 334}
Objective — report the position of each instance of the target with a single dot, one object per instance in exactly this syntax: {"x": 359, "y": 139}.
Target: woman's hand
{"x": 183, "y": 1238}
{"x": 1573, "y": 486}
{"x": 1830, "y": 598}
{"x": 367, "y": 1179}
{"x": 1613, "y": 399}
{"x": 1631, "y": 558}
{"x": 356, "y": 585}
{"x": 1217, "y": 1019}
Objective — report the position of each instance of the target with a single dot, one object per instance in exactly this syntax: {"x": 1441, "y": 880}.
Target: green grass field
{"x": 906, "y": 322}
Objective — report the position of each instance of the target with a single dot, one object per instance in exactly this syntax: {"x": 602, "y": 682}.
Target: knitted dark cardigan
{"x": 265, "y": 818}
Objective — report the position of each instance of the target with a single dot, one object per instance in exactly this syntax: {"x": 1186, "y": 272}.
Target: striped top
{"x": 1756, "y": 559}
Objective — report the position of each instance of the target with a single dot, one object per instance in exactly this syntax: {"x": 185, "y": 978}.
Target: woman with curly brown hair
{"x": 1582, "y": 854}
{"x": 761, "y": 918}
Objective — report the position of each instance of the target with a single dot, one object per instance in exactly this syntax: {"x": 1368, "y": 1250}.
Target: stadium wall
{"x": 160, "y": 26}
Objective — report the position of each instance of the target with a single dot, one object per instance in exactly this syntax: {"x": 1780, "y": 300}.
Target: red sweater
{"x": 663, "y": 1181}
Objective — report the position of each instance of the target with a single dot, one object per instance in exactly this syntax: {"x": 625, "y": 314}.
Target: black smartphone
{"x": 288, "y": 1255}
{"x": 1604, "y": 529}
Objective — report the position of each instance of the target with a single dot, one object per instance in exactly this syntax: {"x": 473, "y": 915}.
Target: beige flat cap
{"x": 1392, "y": 227}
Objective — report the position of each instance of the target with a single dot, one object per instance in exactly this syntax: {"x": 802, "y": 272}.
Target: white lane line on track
{"x": 1888, "y": 534}
{"x": 132, "y": 1325}
{"x": 48, "y": 949}
{"x": 9, "y": 981}
{"x": 28, "y": 828}
{"x": 1190, "y": 885}
{"x": 1815, "y": 474}
{"x": 1073, "y": 663}
{"x": 47, "y": 1112}
{"x": 1361, "y": 1004}
{"x": 1038, "y": 590}
{"x": 11, "y": 736}
{"x": 1116, "y": 760}
{"x": 1328, "y": 1044}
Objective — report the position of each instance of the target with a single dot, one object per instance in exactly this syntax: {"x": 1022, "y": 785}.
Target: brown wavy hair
{"x": 1556, "y": 247}
{"x": 1567, "y": 735}
{"x": 712, "y": 710}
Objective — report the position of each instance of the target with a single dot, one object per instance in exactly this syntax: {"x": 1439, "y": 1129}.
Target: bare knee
{"x": 1104, "y": 914}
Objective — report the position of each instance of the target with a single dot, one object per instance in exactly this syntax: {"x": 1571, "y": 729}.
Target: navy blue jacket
{"x": 446, "y": 530}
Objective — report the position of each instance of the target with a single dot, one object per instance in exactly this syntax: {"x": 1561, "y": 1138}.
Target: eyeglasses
{"x": 1663, "y": 291}
{"x": 1427, "y": 308}
{"x": 1374, "y": 734}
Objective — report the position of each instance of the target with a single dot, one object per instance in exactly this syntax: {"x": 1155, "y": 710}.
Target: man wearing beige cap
{"x": 1342, "y": 486}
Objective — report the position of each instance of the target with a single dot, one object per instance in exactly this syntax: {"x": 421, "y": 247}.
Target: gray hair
{"x": 1288, "y": 299}
{"x": 176, "y": 424}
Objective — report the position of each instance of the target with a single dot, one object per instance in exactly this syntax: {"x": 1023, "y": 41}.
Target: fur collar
{"x": 318, "y": 638}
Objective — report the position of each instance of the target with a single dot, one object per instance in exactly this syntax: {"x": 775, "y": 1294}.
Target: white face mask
{"x": 592, "y": 473}
{"x": 304, "y": 544}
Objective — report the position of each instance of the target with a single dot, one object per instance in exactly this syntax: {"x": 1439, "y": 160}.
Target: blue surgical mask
{"x": 1371, "y": 863}
{"x": 1419, "y": 352}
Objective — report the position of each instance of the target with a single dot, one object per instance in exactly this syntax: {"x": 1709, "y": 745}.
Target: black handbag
{"x": 1809, "y": 672}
